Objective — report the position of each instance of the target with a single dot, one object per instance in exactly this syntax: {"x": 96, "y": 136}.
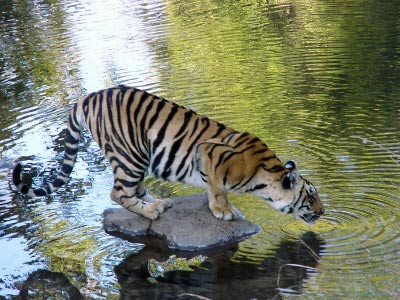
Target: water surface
{"x": 317, "y": 81}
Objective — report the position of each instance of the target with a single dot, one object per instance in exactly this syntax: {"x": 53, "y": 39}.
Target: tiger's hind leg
{"x": 143, "y": 194}
{"x": 127, "y": 194}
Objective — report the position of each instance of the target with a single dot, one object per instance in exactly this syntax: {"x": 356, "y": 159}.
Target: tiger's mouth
{"x": 309, "y": 218}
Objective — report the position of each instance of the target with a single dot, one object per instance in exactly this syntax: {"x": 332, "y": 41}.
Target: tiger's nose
{"x": 321, "y": 211}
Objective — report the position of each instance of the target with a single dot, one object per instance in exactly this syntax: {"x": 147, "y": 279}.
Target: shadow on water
{"x": 220, "y": 277}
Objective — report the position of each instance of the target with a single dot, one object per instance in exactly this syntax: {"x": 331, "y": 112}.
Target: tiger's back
{"x": 148, "y": 133}
{"x": 141, "y": 133}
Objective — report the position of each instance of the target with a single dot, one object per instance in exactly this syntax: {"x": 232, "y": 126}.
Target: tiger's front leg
{"x": 207, "y": 159}
{"x": 220, "y": 207}
{"x": 130, "y": 200}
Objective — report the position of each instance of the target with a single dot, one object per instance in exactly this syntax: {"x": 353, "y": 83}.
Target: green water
{"x": 318, "y": 81}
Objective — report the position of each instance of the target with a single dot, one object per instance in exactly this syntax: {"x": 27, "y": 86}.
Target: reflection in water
{"x": 291, "y": 262}
{"x": 316, "y": 80}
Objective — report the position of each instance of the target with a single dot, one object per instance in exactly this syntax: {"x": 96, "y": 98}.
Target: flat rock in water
{"x": 188, "y": 225}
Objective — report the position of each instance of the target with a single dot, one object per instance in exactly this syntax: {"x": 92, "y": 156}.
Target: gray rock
{"x": 188, "y": 225}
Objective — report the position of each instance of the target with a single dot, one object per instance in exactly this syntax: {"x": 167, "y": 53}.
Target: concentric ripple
{"x": 316, "y": 81}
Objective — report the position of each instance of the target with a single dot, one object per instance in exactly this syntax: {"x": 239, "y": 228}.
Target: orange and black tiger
{"x": 143, "y": 134}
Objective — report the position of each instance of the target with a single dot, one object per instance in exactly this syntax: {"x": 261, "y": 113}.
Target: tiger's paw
{"x": 152, "y": 215}
{"x": 156, "y": 208}
{"x": 162, "y": 205}
{"x": 228, "y": 214}
{"x": 167, "y": 203}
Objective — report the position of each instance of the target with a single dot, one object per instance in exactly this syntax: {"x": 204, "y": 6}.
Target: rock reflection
{"x": 220, "y": 277}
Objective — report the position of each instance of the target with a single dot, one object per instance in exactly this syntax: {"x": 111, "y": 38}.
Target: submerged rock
{"x": 44, "y": 284}
{"x": 188, "y": 225}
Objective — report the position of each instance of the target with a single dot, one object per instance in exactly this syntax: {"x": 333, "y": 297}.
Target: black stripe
{"x": 161, "y": 133}
{"x": 157, "y": 161}
{"x": 85, "y": 104}
{"x": 202, "y": 173}
{"x": 198, "y": 137}
{"x": 181, "y": 165}
{"x": 238, "y": 186}
{"x": 70, "y": 151}
{"x": 274, "y": 169}
{"x": 171, "y": 157}
{"x": 133, "y": 135}
{"x": 194, "y": 129}
{"x": 40, "y": 192}
{"x": 246, "y": 149}
{"x": 97, "y": 112}
{"x": 68, "y": 158}
{"x": 190, "y": 148}
{"x": 130, "y": 145}
{"x": 17, "y": 174}
{"x": 257, "y": 187}
{"x": 160, "y": 106}
{"x": 100, "y": 122}
{"x": 267, "y": 158}
{"x": 118, "y": 107}
{"x": 183, "y": 175}
{"x": 108, "y": 148}
{"x": 58, "y": 183}
{"x": 135, "y": 162}
{"x": 229, "y": 156}
{"x": 221, "y": 159}
{"x": 226, "y": 176}
{"x": 72, "y": 121}
{"x": 137, "y": 174}
{"x": 66, "y": 169}
{"x": 146, "y": 115}
{"x": 139, "y": 105}
{"x": 230, "y": 137}
{"x": 185, "y": 122}
{"x": 221, "y": 128}
{"x": 254, "y": 140}
{"x": 238, "y": 144}
{"x": 301, "y": 197}
{"x": 261, "y": 151}
{"x": 143, "y": 129}
{"x": 25, "y": 189}
{"x": 70, "y": 139}
{"x": 126, "y": 183}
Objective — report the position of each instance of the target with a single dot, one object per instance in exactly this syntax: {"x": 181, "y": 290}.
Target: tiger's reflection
{"x": 221, "y": 277}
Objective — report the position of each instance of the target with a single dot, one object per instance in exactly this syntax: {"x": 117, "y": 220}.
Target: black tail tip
{"x": 16, "y": 176}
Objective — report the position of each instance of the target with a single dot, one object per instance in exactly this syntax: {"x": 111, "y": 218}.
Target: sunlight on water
{"x": 317, "y": 81}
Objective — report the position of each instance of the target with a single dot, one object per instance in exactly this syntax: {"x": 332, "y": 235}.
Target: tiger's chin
{"x": 309, "y": 218}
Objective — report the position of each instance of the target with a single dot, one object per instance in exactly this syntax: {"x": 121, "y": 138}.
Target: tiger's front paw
{"x": 167, "y": 203}
{"x": 228, "y": 214}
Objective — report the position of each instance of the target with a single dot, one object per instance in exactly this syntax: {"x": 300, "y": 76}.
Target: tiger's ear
{"x": 289, "y": 179}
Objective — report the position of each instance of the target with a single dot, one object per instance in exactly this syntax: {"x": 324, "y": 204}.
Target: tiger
{"x": 142, "y": 134}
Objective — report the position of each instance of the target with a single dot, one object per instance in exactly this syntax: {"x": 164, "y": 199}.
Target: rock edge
{"x": 188, "y": 225}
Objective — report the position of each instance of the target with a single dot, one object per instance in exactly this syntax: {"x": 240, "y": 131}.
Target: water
{"x": 317, "y": 81}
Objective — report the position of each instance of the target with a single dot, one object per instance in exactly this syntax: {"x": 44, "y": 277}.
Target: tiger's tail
{"x": 72, "y": 138}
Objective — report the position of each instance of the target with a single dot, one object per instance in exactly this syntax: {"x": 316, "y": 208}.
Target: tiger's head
{"x": 286, "y": 190}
